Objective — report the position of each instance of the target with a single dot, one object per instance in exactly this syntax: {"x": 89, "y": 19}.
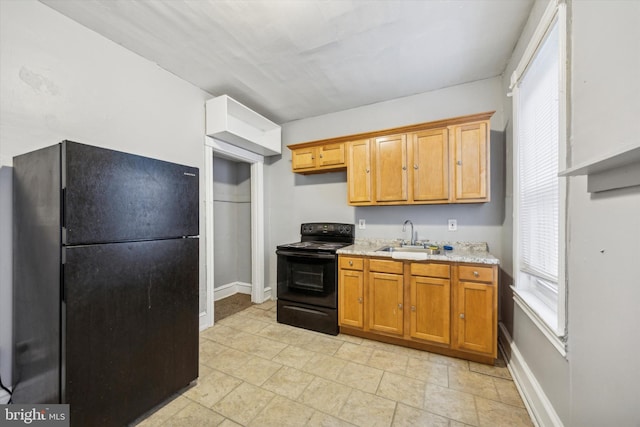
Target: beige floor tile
{"x": 499, "y": 370}
{"x": 449, "y": 361}
{"x": 324, "y": 366}
{"x": 212, "y": 388}
{"x": 209, "y": 350}
{"x": 472, "y": 382}
{"x": 321, "y": 343}
{"x": 243, "y": 403}
{"x": 427, "y": 371}
{"x": 293, "y": 356}
{"x": 275, "y": 331}
{"x": 203, "y": 370}
{"x": 496, "y": 414}
{"x": 267, "y": 305}
{"x": 195, "y": 415}
{"x": 320, "y": 419}
{"x": 452, "y": 404}
{"x": 380, "y": 345}
{"x": 362, "y": 377}
{"x": 297, "y": 337}
{"x": 259, "y": 314}
{"x": 243, "y": 323}
{"x": 288, "y": 382}
{"x": 165, "y": 412}
{"x": 350, "y": 338}
{"x": 282, "y": 412}
{"x": 231, "y": 360}
{"x": 367, "y": 410}
{"x": 228, "y": 423}
{"x": 354, "y": 352}
{"x": 257, "y": 370}
{"x": 257, "y": 346}
{"x": 220, "y": 333}
{"x": 412, "y": 352}
{"x": 407, "y": 416}
{"x": 453, "y": 423}
{"x": 388, "y": 361}
{"x": 402, "y": 389}
{"x": 508, "y": 392}
{"x": 324, "y": 395}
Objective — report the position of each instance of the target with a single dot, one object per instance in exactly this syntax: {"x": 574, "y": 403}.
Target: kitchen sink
{"x": 419, "y": 249}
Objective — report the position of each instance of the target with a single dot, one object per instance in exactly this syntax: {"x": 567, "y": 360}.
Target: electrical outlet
{"x": 362, "y": 224}
{"x": 453, "y": 225}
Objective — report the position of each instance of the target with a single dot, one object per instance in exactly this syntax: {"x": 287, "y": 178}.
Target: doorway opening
{"x": 234, "y": 210}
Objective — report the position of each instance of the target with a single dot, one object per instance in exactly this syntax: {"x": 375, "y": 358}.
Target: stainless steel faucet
{"x": 412, "y": 242}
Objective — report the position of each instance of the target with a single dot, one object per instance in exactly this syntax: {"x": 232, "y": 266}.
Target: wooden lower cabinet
{"x": 447, "y": 308}
{"x": 385, "y": 302}
{"x": 430, "y": 309}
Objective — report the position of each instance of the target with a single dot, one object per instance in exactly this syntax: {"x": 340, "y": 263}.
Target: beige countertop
{"x": 471, "y": 252}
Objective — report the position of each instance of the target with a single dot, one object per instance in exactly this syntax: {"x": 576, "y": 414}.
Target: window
{"x": 539, "y": 194}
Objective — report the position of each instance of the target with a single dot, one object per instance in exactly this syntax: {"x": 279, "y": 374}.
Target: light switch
{"x": 362, "y": 224}
{"x": 453, "y": 225}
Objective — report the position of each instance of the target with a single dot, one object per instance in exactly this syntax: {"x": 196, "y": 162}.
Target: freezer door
{"x": 110, "y": 196}
{"x": 130, "y": 329}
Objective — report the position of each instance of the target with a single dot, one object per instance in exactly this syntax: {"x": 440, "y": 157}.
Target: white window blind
{"x": 538, "y": 135}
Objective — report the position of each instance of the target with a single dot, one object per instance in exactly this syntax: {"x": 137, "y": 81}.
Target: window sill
{"x": 541, "y": 316}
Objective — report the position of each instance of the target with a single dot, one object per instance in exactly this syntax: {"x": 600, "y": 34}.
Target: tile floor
{"x": 257, "y": 372}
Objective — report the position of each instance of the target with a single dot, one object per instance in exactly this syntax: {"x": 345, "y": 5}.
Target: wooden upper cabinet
{"x": 445, "y": 161}
{"x": 359, "y": 172}
{"x": 470, "y": 148}
{"x": 390, "y": 159}
{"x": 430, "y": 165}
{"x": 318, "y": 158}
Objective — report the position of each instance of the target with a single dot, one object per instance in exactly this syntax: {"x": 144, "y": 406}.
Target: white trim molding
{"x": 232, "y": 288}
{"x": 538, "y": 404}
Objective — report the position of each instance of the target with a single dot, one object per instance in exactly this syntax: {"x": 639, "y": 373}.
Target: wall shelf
{"x": 230, "y": 121}
{"x": 619, "y": 169}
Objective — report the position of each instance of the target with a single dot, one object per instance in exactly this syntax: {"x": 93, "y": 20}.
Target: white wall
{"x": 599, "y": 381}
{"x": 232, "y": 221}
{"x": 294, "y": 199}
{"x": 58, "y": 81}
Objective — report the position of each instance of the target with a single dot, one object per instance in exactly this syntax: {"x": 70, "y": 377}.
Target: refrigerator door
{"x": 130, "y": 327}
{"x": 110, "y": 196}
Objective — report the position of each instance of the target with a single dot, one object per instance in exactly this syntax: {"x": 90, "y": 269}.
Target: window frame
{"x": 536, "y": 299}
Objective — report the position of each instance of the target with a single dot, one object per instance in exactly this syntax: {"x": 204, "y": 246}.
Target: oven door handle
{"x": 306, "y": 255}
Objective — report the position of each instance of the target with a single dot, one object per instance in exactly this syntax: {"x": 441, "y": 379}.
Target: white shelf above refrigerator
{"x": 231, "y": 122}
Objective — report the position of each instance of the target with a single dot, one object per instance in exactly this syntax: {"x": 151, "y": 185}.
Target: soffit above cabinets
{"x": 290, "y": 60}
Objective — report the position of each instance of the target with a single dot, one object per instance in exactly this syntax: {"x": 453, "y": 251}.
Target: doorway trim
{"x": 214, "y": 146}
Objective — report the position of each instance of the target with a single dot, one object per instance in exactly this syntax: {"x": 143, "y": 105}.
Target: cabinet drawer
{"x": 351, "y": 263}
{"x": 475, "y": 273}
{"x": 431, "y": 270}
{"x": 385, "y": 266}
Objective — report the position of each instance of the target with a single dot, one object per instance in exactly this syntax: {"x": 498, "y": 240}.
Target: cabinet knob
{"x": 413, "y": 308}
{"x": 367, "y": 171}
{"x": 459, "y": 162}
{"x": 320, "y": 155}
{"x": 350, "y": 262}
{"x": 404, "y": 168}
{"x": 400, "y": 306}
{"x": 415, "y": 167}
{"x": 462, "y": 315}
{"x": 312, "y": 157}
{"x": 360, "y": 300}
{"x": 476, "y": 274}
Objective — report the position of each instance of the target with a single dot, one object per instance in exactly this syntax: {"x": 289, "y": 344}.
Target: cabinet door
{"x": 431, "y": 165}
{"x": 359, "y": 171}
{"x": 385, "y": 303}
{"x": 474, "y": 314}
{"x": 471, "y": 162}
{"x": 303, "y": 158}
{"x": 430, "y": 309}
{"x": 350, "y": 298}
{"x": 391, "y": 168}
{"x": 331, "y": 155}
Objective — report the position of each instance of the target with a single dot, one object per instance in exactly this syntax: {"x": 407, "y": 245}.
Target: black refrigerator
{"x": 105, "y": 281}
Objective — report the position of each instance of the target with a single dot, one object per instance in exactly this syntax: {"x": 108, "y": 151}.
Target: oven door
{"x": 307, "y": 277}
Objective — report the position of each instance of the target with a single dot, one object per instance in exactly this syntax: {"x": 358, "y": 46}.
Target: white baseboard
{"x": 231, "y": 289}
{"x": 267, "y": 294}
{"x": 540, "y": 408}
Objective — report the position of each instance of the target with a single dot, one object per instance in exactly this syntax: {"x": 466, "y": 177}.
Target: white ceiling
{"x": 292, "y": 59}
